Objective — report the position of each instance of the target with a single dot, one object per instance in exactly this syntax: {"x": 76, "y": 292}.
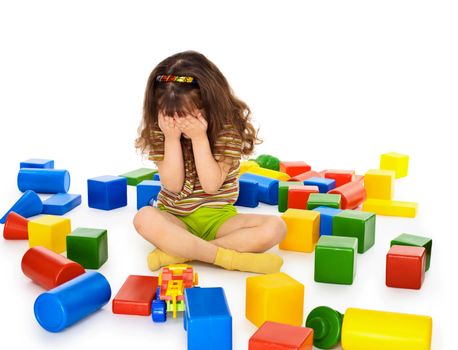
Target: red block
{"x": 359, "y": 178}
{"x": 405, "y": 267}
{"x": 47, "y": 268}
{"x": 341, "y": 176}
{"x": 135, "y": 296}
{"x": 294, "y": 168}
{"x": 298, "y": 196}
{"x": 305, "y": 176}
{"x": 352, "y": 194}
{"x": 16, "y": 227}
{"x": 278, "y": 336}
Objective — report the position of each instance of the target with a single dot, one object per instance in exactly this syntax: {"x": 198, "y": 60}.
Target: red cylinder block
{"x": 352, "y": 194}
{"x": 49, "y": 269}
{"x": 16, "y": 227}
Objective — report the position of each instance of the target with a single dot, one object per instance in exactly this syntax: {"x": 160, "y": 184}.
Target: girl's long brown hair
{"x": 211, "y": 93}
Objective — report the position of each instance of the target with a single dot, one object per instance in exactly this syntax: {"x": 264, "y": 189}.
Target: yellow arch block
{"x": 50, "y": 231}
{"x": 273, "y": 174}
{"x": 303, "y": 230}
{"x": 390, "y": 208}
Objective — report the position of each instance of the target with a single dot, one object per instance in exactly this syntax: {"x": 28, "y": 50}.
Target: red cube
{"x": 294, "y": 168}
{"x": 135, "y": 296}
{"x": 405, "y": 267}
{"x": 341, "y": 176}
{"x": 299, "y": 195}
{"x": 276, "y": 336}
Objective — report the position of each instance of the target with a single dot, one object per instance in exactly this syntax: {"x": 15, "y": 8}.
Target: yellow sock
{"x": 249, "y": 262}
{"x": 157, "y": 258}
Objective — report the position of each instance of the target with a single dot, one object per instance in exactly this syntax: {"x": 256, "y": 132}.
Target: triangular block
{"x": 15, "y": 227}
{"x": 28, "y": 205}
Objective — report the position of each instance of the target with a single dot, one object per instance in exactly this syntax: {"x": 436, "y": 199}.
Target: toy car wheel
{"x": 159, "y": 311}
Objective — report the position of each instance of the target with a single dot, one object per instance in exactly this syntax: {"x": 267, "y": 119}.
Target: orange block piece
{"x": 294, "y": 168}
{"x": 299, "y": 195}
{"x": 135, "y": 296}
{"x": 341, "y": 176}
{"x": 303, "y": 230}
{"x": 279, "y": 336}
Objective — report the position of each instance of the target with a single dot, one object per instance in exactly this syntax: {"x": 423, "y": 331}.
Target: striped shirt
{"x": 192, "y": 196}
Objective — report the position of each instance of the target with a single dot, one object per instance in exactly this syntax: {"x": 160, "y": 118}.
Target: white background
{"x": 334, "y": 83}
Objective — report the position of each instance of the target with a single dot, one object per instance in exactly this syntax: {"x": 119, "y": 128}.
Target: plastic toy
{"x": 49, "y": 269}
{"x": 147, "y": 190}
{"x": 156, "y": 177}
{"x": 207, "y": 319}
{"x": 107, "y": 192}
{"x": 391, "y": 208}
{"x": 49, "y": 231}
{"x": 395, "y": 161}
{"x": 304, "y": 176}
{"x": 135, "y": 296}
{"x": 352, "y": 194}
{"x": 72, "y": 301}
{"x": 88, "y": 246}
{"x": 352, "y": 223}
{"x": 405, "y": 267}
{"x": 16, "y": 227}
{"x": 245, "y": 165}
{"x": 279, "y": 336}
{"x": 323, "y": 200}
{"x": 248, "y": 192}
{"x": 303, "y": 230}
{"x": 341, "y": 177}
{"x": 379, "y": 184}
{"x": 335, "y": 259}
{"x": 294, "y": 168}
{"x": 273, "y": 174}
{"x": 274, "y": 297}
{"x": 61, "y": 203}
{"x": 268, "y": 187}
{"x": 268, "y": 162}
{"x": 37, "y": 163}
{"x": 43, "y": 180}
{"x": 283, "y": 193}
{"x": 326, "y": 216}
{"x": 173, "y": 280}
{"x": 327, "y": 326}
{"x": 416, "y": 241}
{"x": 136, "y": 176}
{"x": 298, "y": 196}
{"x": 325, "y": 185}
{"x": 28, "y": 205}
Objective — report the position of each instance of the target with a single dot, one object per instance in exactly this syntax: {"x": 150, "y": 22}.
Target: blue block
{"x": 43, "y": 180}
{"x": 207, "y": 319}
{"x": 326, "y": 216}
{"x": 324, "y": 185}
{"x": 248, "y": 193}
{"x": 61, "y": 203}
{"x": 268, "y": 188}
{"x": 28, "y": 205}
{"x": 156, "y": 177}
{"x": 107, "y": 192}
{"x": 147, "y": 190}
{"x": 37, "y": 163}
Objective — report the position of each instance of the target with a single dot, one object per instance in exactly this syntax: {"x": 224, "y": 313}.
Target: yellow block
{"x": 303, "y": 230}
{"x": 245, "y": 166}
{"x": 390, "y": 208}
{"x": 379, "y": 184}
{"x": 273, "y": 174}
{"x": 395, "y": 161}
{"x": 49, "y": 231}
{"x": 274, "y": 297}
{"x": 378, "y": 330}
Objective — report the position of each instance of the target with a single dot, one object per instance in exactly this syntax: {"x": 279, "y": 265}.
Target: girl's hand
{"x": 193, "y": 126}
{"x": 169, "y": 126}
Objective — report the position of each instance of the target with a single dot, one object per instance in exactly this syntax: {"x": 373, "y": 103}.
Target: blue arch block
{"x": 248, "y": 193}
{"x": 268, "y": 187}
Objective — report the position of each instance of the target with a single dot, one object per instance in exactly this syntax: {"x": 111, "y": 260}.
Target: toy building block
{"x": 37, "y": 163}
{"x": 248, "y": 192}
{"x": 267, "y": 161}
{"x": 323, "y": 200}
{"x": 397, "y": 162}
{"x": 416, "y": 241}
{"x": 136, "y": 176}
{"x": 156, "y": 177}
{"x": 16, "y": 227}
{"x": 405, "y": 266}
{"x": 135, "y": 296}
{"x": 325, "y": 185}
{"x": 274, "y": 297}
{"x": 379, "y": 184}
{"x": 72, "y": 301}
{"x": 49, "y": 231}
{"x": 335, "y": 259}
{"x": 246, "y": 165}
{"x": 304, "y": 176}
{"x": 352, "y": 194}
{"x": 88, "y": 246}
{"x": 61, "y": 203}
{"x": 294, "y": 168}
{"x": 29, "y": 204}
{"x": 49, "y": 269}
{"x": 303, "y": 230}
{"x": 43, "y": 180}
{"x": 107, "y": 192}
{"x": 359, "y": 178}
{"x": 147, "y": 190}
{"x": 391, "y": 208}
{"x": 268, "y": 187}
{"x": 298, "y": 196}
{"x": 273, "y": 174}
{"x": 283, "y": 193}
{"x": 352, "y": 223}
{"x": 275, "y": 336}
{"x": 342, "y": 177}
{"x": 207, "y": 319}
{"x": 327, "y": 326}
{"x": 326, "y": 217}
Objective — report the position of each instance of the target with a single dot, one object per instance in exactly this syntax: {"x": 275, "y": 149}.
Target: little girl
{"x": 196, "y": 130}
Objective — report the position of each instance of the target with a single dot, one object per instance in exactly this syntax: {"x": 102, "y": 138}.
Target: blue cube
{"x": 207, "y": 319}
{"x": 61, "y": 203}
{"x": 268, "y": 187}
{"x": 107, "y": 192}
{"x": 37, "y": 163}
{"x": 156, "y": 177}
{"x": 326, "y": 216}
{"x": 147, "y": 190}
{"x": 248, "y": 193}
{"x": 324, "y": 185}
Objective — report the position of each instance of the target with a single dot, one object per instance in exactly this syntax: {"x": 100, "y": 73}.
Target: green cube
{"x": 283, "y": 193}
{"x": 88, "y": 247}
{"x": 136, "y": 176}
{"x": 358, "y": 224}
{"x": 335, "y": 259}
{"x": 415, "y": 241}
{"x": 323, "y": 200}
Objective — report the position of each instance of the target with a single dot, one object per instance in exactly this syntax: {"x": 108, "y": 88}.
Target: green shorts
{"x": 205, "y": 221}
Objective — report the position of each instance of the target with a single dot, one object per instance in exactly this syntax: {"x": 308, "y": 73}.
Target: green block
{"x": 358, "y": 224}
{"x": 136, "y": 176}
{"x": 268, "y": 162}
{"x": 283, "y": 193}
{"x": 416, "y": 241}
{"x": 335, "y": 259}
{"x": 323, "y": 200}
{"x": 88, "y": 247}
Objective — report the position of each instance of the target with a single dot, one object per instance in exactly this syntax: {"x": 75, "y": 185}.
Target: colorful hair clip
{"x": 163, "y": 78}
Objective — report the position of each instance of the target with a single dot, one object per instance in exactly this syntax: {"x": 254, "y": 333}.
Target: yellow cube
{"x": 390, "y": 208}
{"x": 303, "y": 230}
{"x": 49, "y": 231}
{"x": 273, "y": 174}
{"x": 379, "y": 184}
{"x": 246, "y": 165}
{"x": 395, "y": 161}
{"x": 275, "y": 297}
